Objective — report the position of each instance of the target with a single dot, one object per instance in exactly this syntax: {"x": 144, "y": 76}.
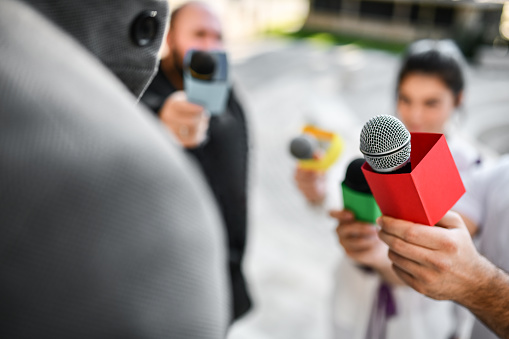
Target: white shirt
{"x": 486, "y": 203}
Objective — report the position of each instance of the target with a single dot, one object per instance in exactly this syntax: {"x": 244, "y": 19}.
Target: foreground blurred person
{"x": 107, "y": 231}
{"x": 218, "y": 143}
{"x": 443, "y": 263}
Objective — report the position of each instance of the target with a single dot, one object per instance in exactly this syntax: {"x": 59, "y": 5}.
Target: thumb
{"x": 451, "y": 220}
{"x": 342, "y": 215}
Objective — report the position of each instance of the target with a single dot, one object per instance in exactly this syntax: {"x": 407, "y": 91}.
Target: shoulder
{"x": 467, "y": 153}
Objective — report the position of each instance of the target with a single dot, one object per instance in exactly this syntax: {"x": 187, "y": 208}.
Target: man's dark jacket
{"x": 223, "y": 158}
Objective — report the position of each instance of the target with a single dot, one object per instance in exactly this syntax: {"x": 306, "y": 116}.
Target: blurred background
{"x": 334, "y": 63}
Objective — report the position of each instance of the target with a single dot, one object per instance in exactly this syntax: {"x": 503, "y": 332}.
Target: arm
{"x": 361, "y": 243}
{"x": 443, "y": 263}
{"x": 489, "y": 298}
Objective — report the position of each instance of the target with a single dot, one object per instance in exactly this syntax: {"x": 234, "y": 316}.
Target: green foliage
{"x": 327, "y": 38}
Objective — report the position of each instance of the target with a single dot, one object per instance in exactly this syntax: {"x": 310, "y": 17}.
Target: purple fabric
{"x": 384, "y": 308}
{"x": 386, "y": 300}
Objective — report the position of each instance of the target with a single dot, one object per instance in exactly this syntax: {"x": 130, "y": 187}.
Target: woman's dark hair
{"x": 439, "y": 58}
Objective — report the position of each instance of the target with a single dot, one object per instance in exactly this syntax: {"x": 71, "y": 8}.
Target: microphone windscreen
{"x": 202, "y": 65}
{"x": 354, "y": 178}
{"x": 303, "y": 147}
{"x": 385, "y": 143}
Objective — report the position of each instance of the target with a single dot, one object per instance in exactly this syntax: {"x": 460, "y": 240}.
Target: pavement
{"x": 292, "y": 247}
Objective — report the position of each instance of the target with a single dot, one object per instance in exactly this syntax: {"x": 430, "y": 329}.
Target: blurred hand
{"x": 312, "y": 184}
{"x": 440, "y": 262}
{"x": 188, "y": 122}
{"x": 360, "y": 241}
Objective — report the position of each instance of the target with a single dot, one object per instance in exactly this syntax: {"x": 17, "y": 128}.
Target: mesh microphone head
{"x": 303, "y": 147}
{"x": 385, "y": 143}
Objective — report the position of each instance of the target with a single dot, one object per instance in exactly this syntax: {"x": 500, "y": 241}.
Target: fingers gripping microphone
{"x": 385, "y": 143}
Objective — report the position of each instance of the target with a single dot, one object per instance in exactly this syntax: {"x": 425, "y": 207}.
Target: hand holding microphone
{"x": 206, "y": 86}
{"x": 188, "y": 122}
{"x": 436, "y": 261}
{"x": 310, "y": 182}
{"x": 361, "y": 242}
{"x": 316, "y": 150}
{"x": 413, "y": 177}
{"x": 356, "y": 230}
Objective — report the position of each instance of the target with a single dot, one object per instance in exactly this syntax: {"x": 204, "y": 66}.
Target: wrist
{"x": 480, "y": 285}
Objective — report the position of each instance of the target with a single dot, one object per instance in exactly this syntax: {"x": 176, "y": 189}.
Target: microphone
{"x": 316, "y": 149}
{"x": 202, "y": 65}
{"x": 304, "y": 147}
{"x": 422, "y": 192}
{"x": 385, "y": 143}
{"x": 357, "y": 195}
{"x": 206, "y": 81}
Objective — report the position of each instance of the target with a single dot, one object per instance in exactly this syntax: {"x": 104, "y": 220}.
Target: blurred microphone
{"x": 357, "y": 195}
{"x": 316, "y": 149}
{"x": 304, "y": 147}
{"x": 385, "y": 143}
{"x": 206, "y": 80}
{"x": 202, "y": 65}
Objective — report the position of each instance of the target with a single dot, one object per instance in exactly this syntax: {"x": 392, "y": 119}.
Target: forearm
{"x": 488, "y": 299}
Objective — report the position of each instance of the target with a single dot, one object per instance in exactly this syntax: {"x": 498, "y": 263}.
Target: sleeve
{"x": 477, "y": 184}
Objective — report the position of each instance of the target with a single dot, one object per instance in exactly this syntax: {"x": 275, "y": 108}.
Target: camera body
{"x": 206, "y": 79}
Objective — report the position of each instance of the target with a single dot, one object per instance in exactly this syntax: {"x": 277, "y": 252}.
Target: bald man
{"x": 219, "y": 143}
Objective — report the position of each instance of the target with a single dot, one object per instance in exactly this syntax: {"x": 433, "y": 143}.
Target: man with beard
{"x": 218, "y": 143}
{"x": 106, "y": 229}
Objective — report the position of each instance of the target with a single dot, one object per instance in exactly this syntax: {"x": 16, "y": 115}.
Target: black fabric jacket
{"x": 223, "y": 157}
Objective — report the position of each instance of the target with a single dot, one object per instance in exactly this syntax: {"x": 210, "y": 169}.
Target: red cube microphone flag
{"x": 411, "y": 175}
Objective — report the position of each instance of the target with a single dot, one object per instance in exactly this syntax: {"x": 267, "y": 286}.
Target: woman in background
{"x": 430, "y": 88}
